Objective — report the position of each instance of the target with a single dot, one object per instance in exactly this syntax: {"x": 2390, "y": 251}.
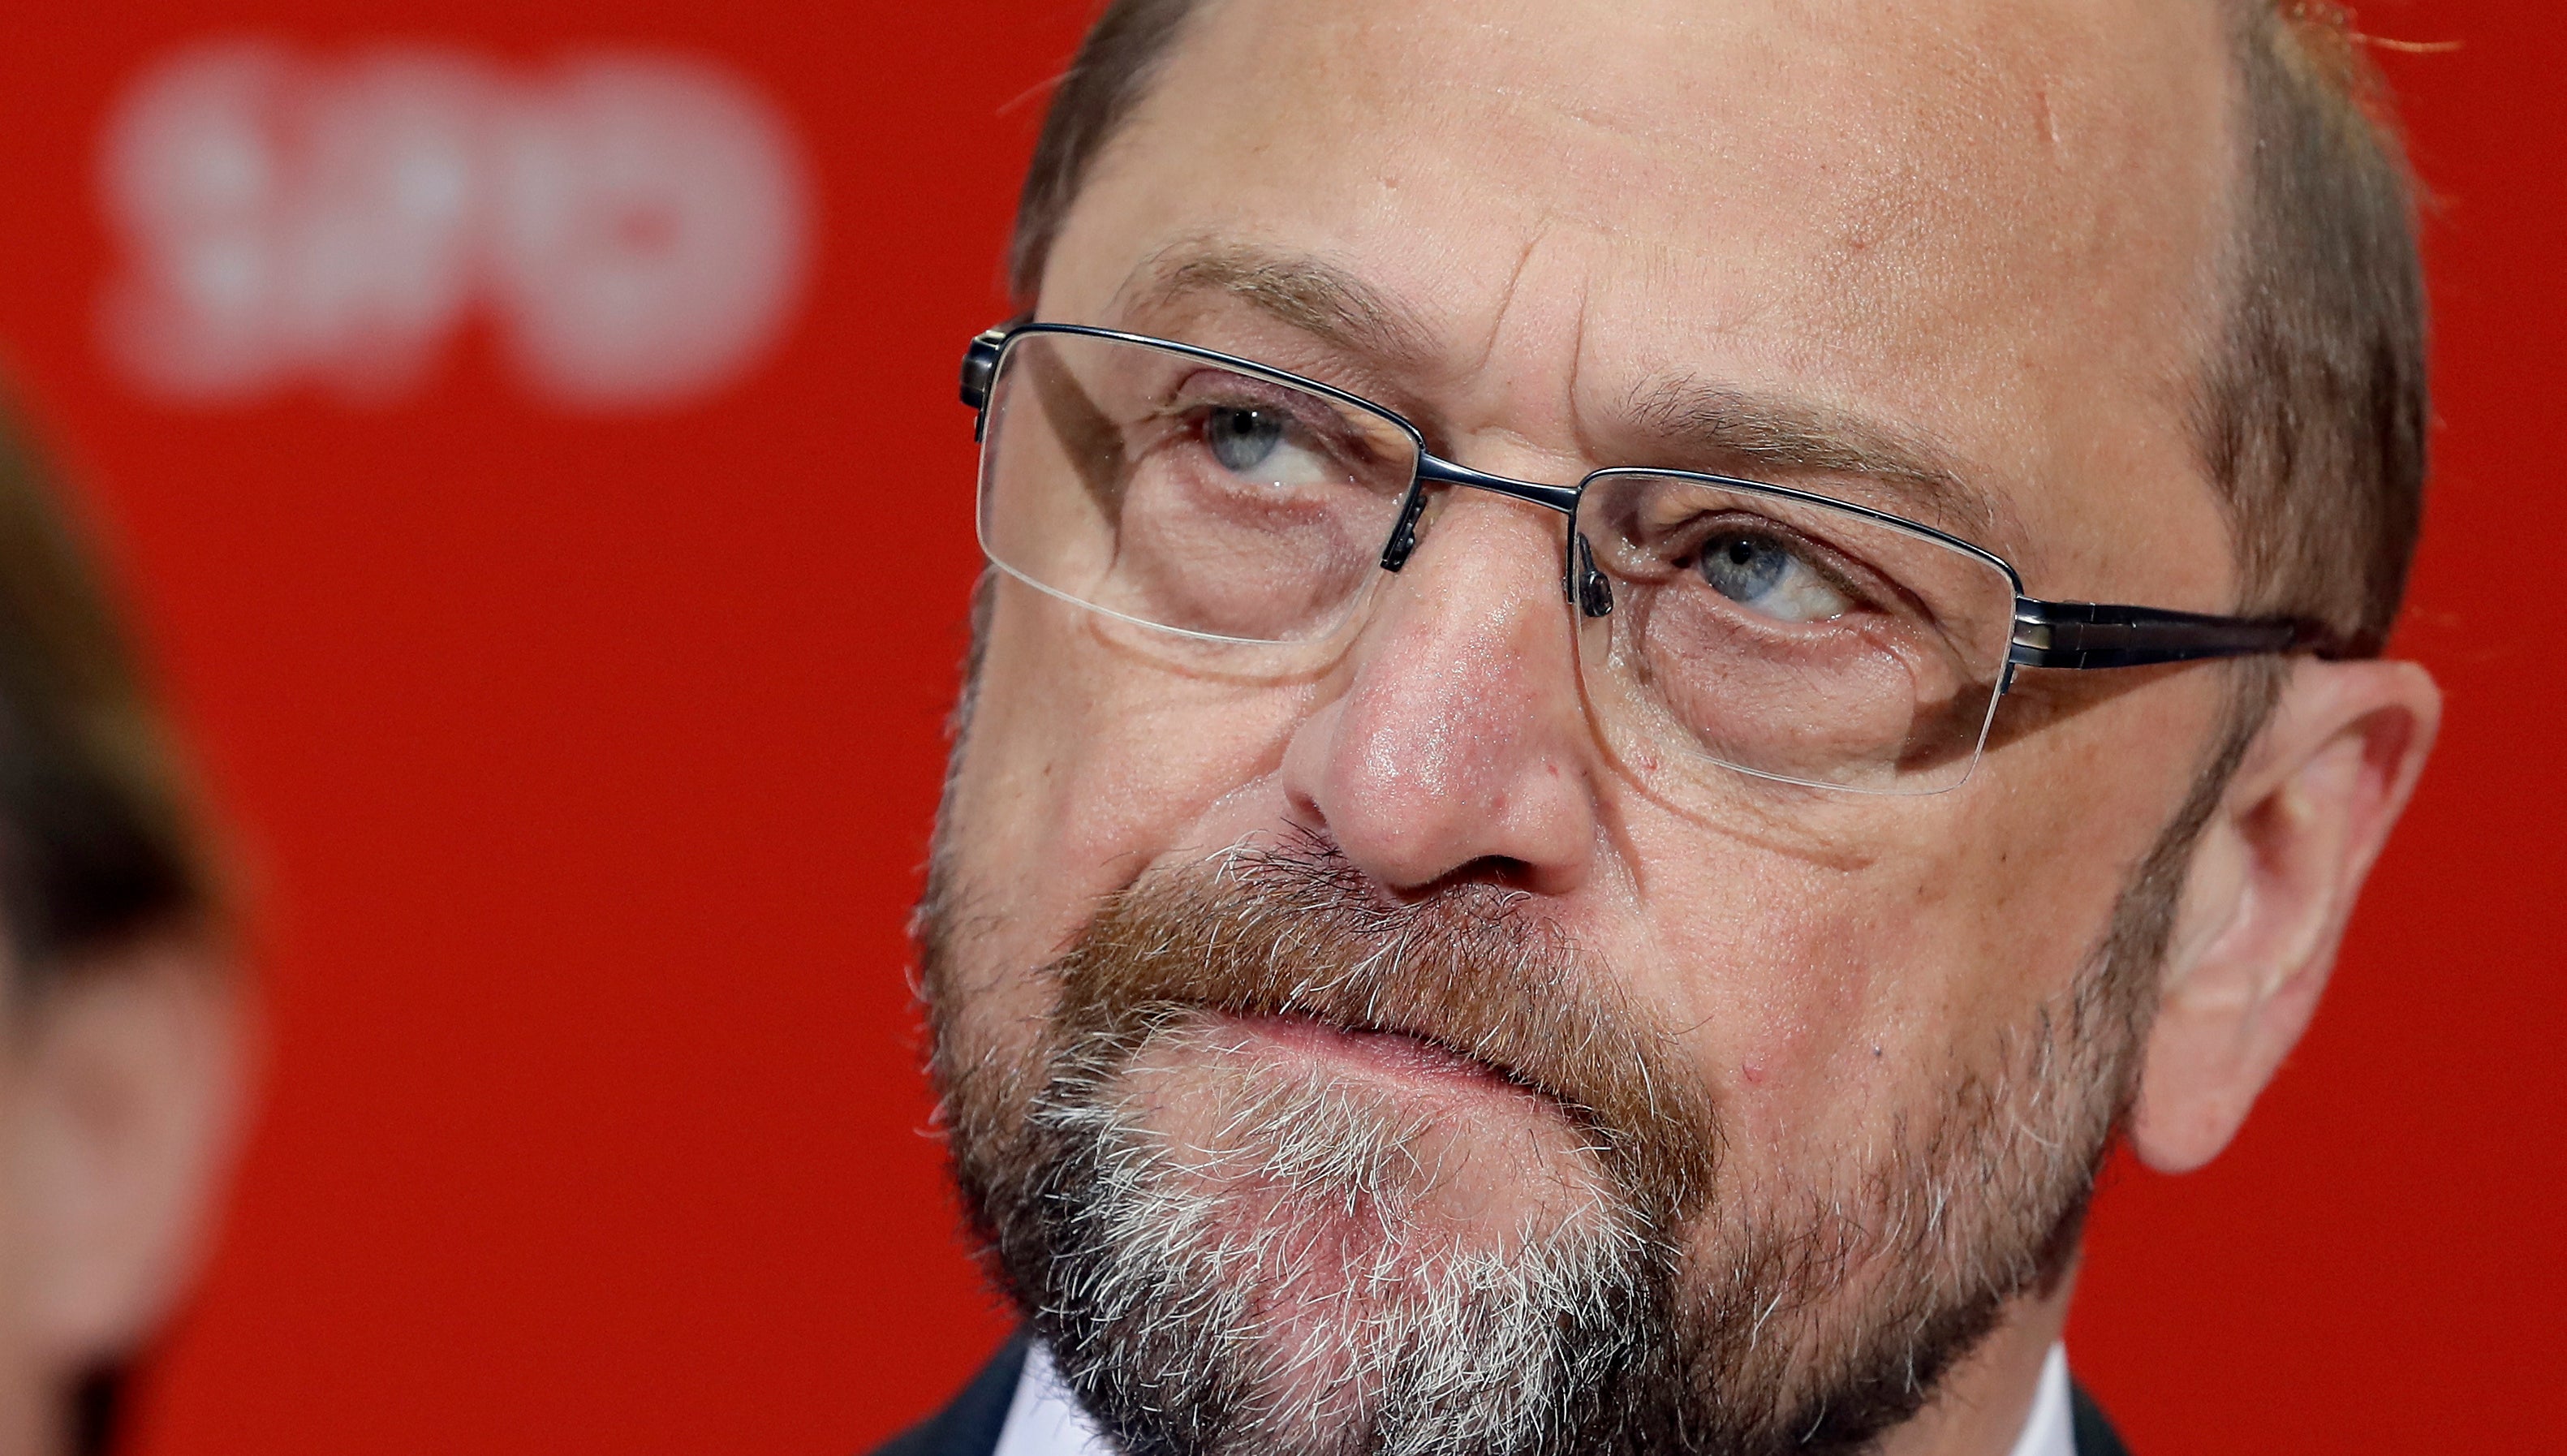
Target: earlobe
{"x": 130, "y": 1085}
{"x": 2269, "y": 891}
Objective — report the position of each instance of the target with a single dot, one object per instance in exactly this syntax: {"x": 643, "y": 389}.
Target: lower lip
{"x": 1381, "y": 1053}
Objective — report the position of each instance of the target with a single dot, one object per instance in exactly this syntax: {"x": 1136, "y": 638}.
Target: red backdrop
{"x": 582, "y": 765}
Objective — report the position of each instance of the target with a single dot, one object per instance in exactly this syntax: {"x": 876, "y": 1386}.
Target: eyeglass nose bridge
{"x": 1581, "y": 582}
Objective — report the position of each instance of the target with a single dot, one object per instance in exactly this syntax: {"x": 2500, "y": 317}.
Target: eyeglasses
{"x": 1233, "y": 507}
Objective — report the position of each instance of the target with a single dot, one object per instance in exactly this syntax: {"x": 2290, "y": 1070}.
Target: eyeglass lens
{"x": 1182, "y": 493}
{"x": 1790, "y": 638}
{"x": 1747, "y": 626}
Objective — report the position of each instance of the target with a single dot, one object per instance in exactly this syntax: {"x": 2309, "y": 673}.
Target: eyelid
{"x": 1839, "y": 569}
{"x": 1240, "y": 390}
{"x": 1316, "y": 420}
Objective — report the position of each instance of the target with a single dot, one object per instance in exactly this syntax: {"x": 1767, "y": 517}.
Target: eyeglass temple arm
{"x": 2097, "y": 634}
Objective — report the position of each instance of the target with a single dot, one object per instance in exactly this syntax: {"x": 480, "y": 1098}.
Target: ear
{"x": 2272, "y": 882}
{"x": 129, "y": 1084}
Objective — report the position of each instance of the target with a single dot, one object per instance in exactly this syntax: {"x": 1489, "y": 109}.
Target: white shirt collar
{"x": 2050, "y": 1430}
{"x": 1042, "y": 1419}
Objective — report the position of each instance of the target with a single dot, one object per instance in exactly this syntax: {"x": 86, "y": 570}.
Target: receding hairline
{"x": 1118, "y": 69}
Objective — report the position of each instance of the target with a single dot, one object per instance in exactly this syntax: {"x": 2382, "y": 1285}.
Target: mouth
{"x": 1413, "y": 1059}
{"x": 1373, "y": 1122}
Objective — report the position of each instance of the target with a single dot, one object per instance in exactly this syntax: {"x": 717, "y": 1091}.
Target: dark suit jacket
{"x": 970, "y": 1426}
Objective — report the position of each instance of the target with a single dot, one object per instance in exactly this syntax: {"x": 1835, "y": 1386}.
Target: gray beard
{"x": 1272, "y": 1290}
{"x": 1324, "y": 1318}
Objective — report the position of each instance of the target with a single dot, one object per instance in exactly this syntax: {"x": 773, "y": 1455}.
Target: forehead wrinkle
{"x": 1776, "y": 434}
{"x": 1767, "y": 433}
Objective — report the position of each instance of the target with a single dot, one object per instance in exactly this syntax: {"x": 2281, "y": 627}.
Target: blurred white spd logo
{"x": 634, "y": 226}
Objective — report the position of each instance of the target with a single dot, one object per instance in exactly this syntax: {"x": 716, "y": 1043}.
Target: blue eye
{"x": 1764, "y": 575}
{"x": 1744, "y": 568}
{"x": 1267, "y": 446}
{"x": 1243, "y": 439}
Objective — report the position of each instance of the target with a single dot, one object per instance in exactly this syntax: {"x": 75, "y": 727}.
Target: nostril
{"x": 1497, "y": 871}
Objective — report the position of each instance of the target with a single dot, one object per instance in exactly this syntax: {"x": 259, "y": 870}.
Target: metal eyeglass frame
{"x": 2047, "y": 634}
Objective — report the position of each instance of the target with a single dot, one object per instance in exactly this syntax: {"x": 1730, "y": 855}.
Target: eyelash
{"x": 1862, "y": 588}
{"x": 1243, "y": 394}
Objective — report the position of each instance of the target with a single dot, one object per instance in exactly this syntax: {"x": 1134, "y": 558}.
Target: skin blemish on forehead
{"x": 2049, "y": 119}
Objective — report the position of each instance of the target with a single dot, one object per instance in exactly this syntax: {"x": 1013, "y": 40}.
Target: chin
{"x": 1340, "y": 1222}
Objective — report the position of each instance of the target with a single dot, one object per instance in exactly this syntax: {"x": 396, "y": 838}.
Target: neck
{"x": 1985, "y": 1399}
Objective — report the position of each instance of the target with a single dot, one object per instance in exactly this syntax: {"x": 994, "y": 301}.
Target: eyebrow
{"x": 1747, "y": 432}
{"x": 1308, "y": 293}
{"x": 1766, "y": 434}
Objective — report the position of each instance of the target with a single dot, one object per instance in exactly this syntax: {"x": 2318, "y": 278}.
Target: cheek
{"x": 1782, "y": 974}
{"x": 28, "y": 1374}
{"x": 1086, "y": 762}
{"x": 1825, "y": 995}
{"x": 1825, "y": 1005}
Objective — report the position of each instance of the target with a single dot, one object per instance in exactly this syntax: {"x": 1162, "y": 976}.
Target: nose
{"x": 1458, "y": 747}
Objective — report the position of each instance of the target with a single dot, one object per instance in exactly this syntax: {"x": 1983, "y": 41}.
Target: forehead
{"x": 1989, "y": 225}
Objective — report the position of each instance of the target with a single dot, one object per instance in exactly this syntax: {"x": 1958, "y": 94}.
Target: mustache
{"x": 1294, "y": 929}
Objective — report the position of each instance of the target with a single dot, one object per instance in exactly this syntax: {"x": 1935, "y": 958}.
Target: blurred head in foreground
{"x": 119, "y": 1029}
{"x": 1651, "y": 666}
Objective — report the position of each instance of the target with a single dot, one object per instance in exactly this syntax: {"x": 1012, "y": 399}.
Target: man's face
{"x": 1753, "y": 1101}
